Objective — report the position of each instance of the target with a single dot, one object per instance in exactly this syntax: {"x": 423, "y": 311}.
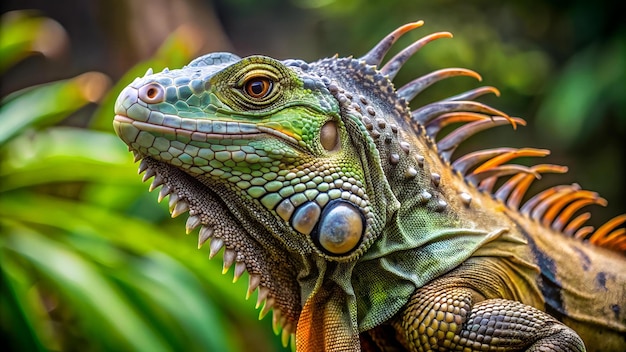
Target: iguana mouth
{"x": 169, "y": 179}
{"x": 227, "y": 130}
{"x": 194, "y": 134}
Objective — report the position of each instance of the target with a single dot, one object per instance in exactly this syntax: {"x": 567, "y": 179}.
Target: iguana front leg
{"x": 442, "y": 316}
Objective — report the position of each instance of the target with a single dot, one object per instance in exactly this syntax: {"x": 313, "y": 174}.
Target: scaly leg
{"x": 442, "y": 317}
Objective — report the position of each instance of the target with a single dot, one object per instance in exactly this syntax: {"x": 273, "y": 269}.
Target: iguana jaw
{"x": 238, "y": 130}
{"x": 272, "y": 276}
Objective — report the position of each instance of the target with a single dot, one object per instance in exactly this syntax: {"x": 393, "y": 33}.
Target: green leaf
{"x": 19, "y": 313}
{"x": 48, "y": 157}
{"x": 139, "y": 259}
{"x": 23, "y": 33}
{"x": 106, "y": 315}
{"x": 166, "y": 284}
{"x": 47, "y": 104}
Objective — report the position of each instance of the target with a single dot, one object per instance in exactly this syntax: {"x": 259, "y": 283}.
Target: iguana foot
{"x": 443, "y": 318}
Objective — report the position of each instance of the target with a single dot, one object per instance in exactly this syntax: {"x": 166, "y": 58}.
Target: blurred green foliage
{"x": 90, "y": 261}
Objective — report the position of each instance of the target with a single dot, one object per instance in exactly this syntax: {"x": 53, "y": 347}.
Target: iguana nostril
{"x": 152, "y": 93}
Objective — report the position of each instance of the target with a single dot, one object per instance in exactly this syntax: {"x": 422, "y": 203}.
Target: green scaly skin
{"x": 353, "y": 225}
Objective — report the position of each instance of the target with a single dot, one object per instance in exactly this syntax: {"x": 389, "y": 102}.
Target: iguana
{"x": 352, "y": 220}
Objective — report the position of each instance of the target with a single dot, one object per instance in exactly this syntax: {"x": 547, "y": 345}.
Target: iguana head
{"x": 273, "y": 138}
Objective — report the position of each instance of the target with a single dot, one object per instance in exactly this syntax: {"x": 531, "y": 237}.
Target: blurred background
{"x": 90, "y": 261}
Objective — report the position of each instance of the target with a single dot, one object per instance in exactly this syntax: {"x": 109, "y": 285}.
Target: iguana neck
{"x": 427, "y": 206}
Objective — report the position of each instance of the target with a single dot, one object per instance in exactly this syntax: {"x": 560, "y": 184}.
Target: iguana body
{"x": 351, "y": 220}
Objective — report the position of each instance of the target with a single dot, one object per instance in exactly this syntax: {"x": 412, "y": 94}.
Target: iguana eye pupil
{"x": 258, "y": 87}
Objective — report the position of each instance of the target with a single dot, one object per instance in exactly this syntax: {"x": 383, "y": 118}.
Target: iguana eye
{"x": 258, "y": 87}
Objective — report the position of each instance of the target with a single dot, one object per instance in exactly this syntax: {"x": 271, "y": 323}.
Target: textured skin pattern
{"x": 441, "y": 316}
{"x": 356, "y": 227}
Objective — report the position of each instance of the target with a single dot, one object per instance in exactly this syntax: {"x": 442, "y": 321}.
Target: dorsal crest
{"x": 558, "y": 208}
